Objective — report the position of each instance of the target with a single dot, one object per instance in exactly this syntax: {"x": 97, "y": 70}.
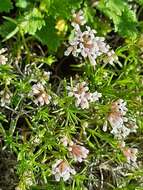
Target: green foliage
{"x": 127, "y": 24}
{"x": 6, "y": 28}
{"x": 123, "y": 17}
{"x": 140, "y": 2}
{"x": 5, "y": 6}
{"x": 21, "y": 3}
{"x": 48, "y": 35}
{"x": 64, "y": 8}
{"x": 32, "y": 21}
{"x": 40, "y": 99}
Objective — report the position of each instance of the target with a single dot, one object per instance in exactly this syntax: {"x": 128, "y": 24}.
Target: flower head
{"x": 3, "y": 58}
{"x": 121, "y": 125}
{"x": 78, "y": 19}
{"x": 79, "y": 153}
{"x": 5, "y": 97}
{"x": 131, "y": 155}
{"x": 41, "y": 96}
{"x": 110, "y": 57}
{"x": 119, "y": 106}
{"x": 61, "y": 169}
{"x": 82, "y": 95}
{"x": 65, "y": 141}
{"x": 88, "y": 46}
{"x": 28, "y": 178}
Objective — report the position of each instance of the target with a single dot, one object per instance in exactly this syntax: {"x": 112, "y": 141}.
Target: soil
{"x": 8, "y": 177}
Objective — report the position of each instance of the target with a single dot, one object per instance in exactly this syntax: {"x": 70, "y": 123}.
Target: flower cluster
{"x": 110, "y": 57}
{"x": 27, "y": 181}
{"x": 28, "y": 176}
{"x": 3, "y": 57}
{"x": 5, "y": 97}
{"x": 121, "y": 125}
{"x": 61, "y": 169}
{"x": 78, "y": 19}
{"x": 86, "y": 44}
{"x": 82, "y": 95}
{"x": 131, "y": 155}
{"x": 77, "y": 152}
{"x": 41, "y": 95}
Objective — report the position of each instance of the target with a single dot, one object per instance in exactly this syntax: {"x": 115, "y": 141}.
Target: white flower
{"x": 78, "y": 19}
{"x": 41, "y": 96}
{"x": 82, "y": 95}
{"x": 119, "y": 106}
{"x": 28, "y": 178}
{"x": 111, "y": 57}
{"x": 45, "y": 77}
{"x": 105, "y": 126}
{"x": 116, "y": 120}
{"x": 81, "y": 101}
{"x": 80, "y": 88}
{"x": 5, "y": 97}
{"x": 64, "y": 141}
{"x": 131, "y": 155}
{"x": 131, "y": 124}
{"x": 89, "y": 46}
{"x": 95, "y": 96}
{"x": 61, "y": 169}
{"x": 3, "y": 58}
{"x": 79, "y": 153}
{"x": 121, "y": 125}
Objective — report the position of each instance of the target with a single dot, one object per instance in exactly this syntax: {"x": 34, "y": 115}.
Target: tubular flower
{"x": 3, "y": 58}
{"x": 121, "y": 125}
{"x": 5, "y": 97}
{"x": 61, "y": 169}
{"x": 41, "y": 96}
{"x": 89, "y": 46}
{"x": 131, "y": 155}
{"x": 82, "y": 95}
{"x": 79, "y": 153}
{"x": 78, "y": 19}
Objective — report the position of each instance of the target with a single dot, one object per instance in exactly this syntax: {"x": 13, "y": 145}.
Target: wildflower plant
{"x": 71, "y": 86}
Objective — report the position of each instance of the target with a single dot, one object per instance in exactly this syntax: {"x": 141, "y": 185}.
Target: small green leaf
{"x": 13, "y": 126}
{"x": 3, "y": 117}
